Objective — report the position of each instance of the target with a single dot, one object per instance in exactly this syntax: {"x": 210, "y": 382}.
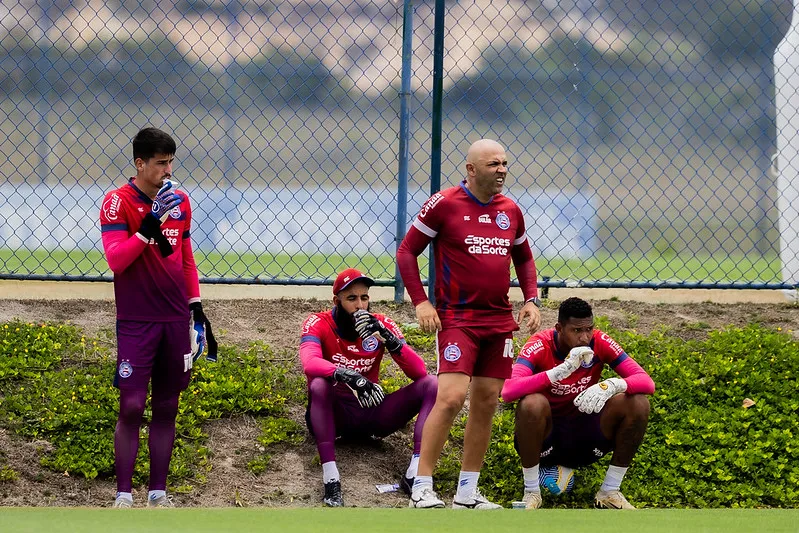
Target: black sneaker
{"x": 406, "y": 484}
{"x": 333, "y": 494}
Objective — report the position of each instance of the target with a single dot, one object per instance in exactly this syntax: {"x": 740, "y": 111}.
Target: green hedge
{"x": 58, "y": 392}
{"x": 703, "y": 448}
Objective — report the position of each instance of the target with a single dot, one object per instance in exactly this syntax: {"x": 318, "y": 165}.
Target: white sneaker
{"x": 425, "y": 498}
{"x": 122, "y": 503}
{"x": 532, "y": 499}
{"x": 476, "y": 501}
{"x": 611, "y": 499}
{"x": 161, "y": 501}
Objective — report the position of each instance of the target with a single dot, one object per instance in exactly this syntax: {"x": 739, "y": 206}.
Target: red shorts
{"x": 152, "y": 350}
{"x": 473, "y": 352}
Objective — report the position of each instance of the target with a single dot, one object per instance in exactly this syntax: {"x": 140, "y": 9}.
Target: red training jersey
{"x": 322, "y": 350}
{"x": 151, "y": 288}
{"x": 540, "y": 354}
{"x": 472, "y": 243}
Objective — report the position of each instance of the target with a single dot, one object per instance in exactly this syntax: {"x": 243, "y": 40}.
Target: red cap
{"x": 349, "y": 276}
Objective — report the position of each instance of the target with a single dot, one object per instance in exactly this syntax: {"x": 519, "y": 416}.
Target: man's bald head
{"x": 486, "y": 169}
{"x": 478, "y": 149}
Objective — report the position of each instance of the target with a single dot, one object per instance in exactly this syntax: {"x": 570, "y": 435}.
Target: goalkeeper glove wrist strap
{"x": 151, "y": 229}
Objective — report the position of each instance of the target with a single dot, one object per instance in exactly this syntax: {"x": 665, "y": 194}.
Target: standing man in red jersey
{"x": 161, "y": 327}
{"x": 567, "y": 417}
{"x": 476, "y": 232}
{"x": 340, "y": 352}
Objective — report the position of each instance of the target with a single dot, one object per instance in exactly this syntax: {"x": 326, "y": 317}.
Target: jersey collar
{"x": 143, "y": 197}
{"x": 473, "y": 197}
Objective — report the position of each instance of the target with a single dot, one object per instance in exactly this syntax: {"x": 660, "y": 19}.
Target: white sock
{"x": 413, "y": 466}
{"x": 125, "y": 496}
{"x": 421, "y": 482}
{"x": 613, "y": 478}
{"x": 153, "y": 494}
{"x": 531, "y": 479}
{"x": 330, "y": 472}
{"x": 467, "y": 483}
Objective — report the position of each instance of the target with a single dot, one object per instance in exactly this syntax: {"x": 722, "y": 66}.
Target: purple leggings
{"x": 330, "y": 415}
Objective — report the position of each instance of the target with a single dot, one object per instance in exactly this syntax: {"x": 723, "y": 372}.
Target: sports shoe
{"x": 161, "y": 501}
{"x": 611, "y": 499}
{"x": 122, "y": 503}
{"x": 556, "y": 479}
{"x": 425, "y": 498}
{"x": 476, "y": 501}
{"x": 333, "y": 494}
{"x": 532, "y": 499}
{"x": 406, "y": 485}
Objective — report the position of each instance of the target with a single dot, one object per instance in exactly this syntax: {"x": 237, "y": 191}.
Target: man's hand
{"x": 150, "y": 227}
{"x": 200, "y": 333}
{"x": 531, "y": 316}
{"x": 165, "y": 201}
{"x": 197, "y": 331}
{"x": 369, "y": 394}
{"x": 366, "y": 325}
{"x": 577, "y": 356}
{"x": 427, "y": 317}
{"x": 593, "y": 399}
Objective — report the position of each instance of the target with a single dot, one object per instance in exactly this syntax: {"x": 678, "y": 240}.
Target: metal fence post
{"x": 404, "y": 138}
{"x": 435, "y": 148}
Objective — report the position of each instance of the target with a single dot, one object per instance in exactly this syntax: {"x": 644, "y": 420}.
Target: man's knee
{"x": 320, "y": 389}
{"x": 428, "y": 386}
{"x": 450, "y": 400}
{"x": 639, "y": 407}
{"x": 533, "y": 407}
{"x": 131, "y": 406}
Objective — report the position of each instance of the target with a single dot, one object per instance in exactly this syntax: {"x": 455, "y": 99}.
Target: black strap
{"x": 213, "y": 347}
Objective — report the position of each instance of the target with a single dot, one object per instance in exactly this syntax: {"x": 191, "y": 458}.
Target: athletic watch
{"x": 536, "y": 300}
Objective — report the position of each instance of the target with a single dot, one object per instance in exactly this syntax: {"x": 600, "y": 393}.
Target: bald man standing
{"x": 476, "y": 232}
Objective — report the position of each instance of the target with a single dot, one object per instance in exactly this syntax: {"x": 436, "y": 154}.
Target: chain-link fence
{"x": 640, "y": 134}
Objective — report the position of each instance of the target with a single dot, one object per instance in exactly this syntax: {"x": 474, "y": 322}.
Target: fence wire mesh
{"x": 640, "y": 134}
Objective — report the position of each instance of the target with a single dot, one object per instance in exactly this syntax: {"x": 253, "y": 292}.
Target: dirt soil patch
{"x": 294, "y": 475}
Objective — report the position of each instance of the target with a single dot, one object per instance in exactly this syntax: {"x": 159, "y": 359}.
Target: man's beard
{"x": 345, "y": 323}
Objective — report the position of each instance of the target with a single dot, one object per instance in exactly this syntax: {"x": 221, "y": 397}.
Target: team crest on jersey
{"x": 503, "y": 221}
{"x": 452, "y": 353}
{"x": 175, "y": 213}
{"x": 589, "y": 364}
{"x": 125, "y": 369}
{"x": 369, "y": 344}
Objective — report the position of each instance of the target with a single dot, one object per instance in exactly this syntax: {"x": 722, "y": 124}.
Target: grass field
{"x": 601, "y": 266}
{"x": 52, "y": 520}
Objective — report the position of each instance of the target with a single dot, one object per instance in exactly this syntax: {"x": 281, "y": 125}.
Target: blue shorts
{"x": 152, "y": 350}
{"x": 575, "y": 441}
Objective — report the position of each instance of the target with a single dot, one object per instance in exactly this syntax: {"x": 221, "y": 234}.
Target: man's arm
{"x": 314, "y": 365}
{"x": 523, "y": 261}
{"x": 637, "y": 379}
{"x": 523, "y": 382}
{"x": 410, "y": 362}
{"x": 409, "y": 250}
{"x": 190, "y": 273}
{"x": 121, "y": 250}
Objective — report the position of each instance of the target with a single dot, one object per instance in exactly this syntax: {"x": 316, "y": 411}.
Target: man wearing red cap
{"x": 340, "y": 352}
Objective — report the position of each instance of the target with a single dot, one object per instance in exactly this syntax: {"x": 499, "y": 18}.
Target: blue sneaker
{"x": 556, "y": 479}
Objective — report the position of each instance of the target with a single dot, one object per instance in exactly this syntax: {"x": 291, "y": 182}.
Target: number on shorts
{"x": 508, "y": 350}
